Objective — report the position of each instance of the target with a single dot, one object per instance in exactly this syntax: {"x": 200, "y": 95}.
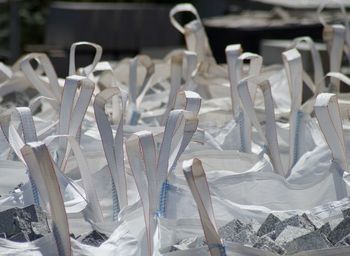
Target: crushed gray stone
{"x": 325, "y": 229}
{"x": 286, "y": 236}
{"x": 269, "y": 225}
{"x": 315, "y": 221}
{"x": 95, "y": 238}
{"x": 20, "y": 237}
{"x": 346, "y": 212}
{"x": 239, "y": 232}
{"x": 335, "y": 222}
{"x": 295, "y": 221}
{"x": 24, "y": 224}
{"x": 289, "y": 234}
{"x": 340, "y": 231}
{"x": 267, "y": 244}
{"x": 272, "y": 235}
{"x": 233, "y": 227}
{"x": 344, "y": 242}
{"x": 311, "y": 241}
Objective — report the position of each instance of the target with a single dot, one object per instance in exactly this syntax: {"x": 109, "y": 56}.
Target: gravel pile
{"x": 292, "y": 235}
{"x": 282, "y": 236}
{"x": 23, "y": 224}
{"x": 94, "y": 238}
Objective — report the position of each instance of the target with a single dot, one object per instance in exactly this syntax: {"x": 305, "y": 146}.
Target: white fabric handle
{"x": 179, "y": 129}
{"x": 191, "y": 69}
{"x": 26, "y": 123}
{"x": 43, "y": 172}
{"x": 339, "y": 76}
{"x": 270, "y": 136}
{"x": 175, "y": 82}
{"x": 344, "y": 104}
{"x": 136, "y": 95}
{"x": 27, "y": 128}
{"x": 270, "y": 129}
{"x": 335, "y": 36}
{"x": 232, "y": 54}
{"x": 190, "y": 58}
{"x": 182, "y": 8}
{"x": 72, "y": 63}
{"x": 113, "y": 147}
{"x": 346, "y": 21}
{"x": 86, "y": 177}
{"x": 255, "y": 64}
{"x": 73, "y": 108}
{"x": 198, "y": 184}
{"x": 49, "y": 89}
{"x": 316, "y": 61}
{"x": 197, "y": 41}
{"x": 150, "y": 172}
{"x": 195, "y": 35}
{"x": 294, "y": 69}
{"x": 149, "y": 65}
{"x": 328, "y": 116}
{"x": 188, "y": 100}
{"x": 142, "y": 156}
{"x": 21, "y": 122}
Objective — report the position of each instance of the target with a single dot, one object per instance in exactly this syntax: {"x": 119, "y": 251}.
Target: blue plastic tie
{"x": 116, "y": 206}
{"x": 135, "y": 116}
{"x": 163, "y": 199}
{"x": 240, "y": 121}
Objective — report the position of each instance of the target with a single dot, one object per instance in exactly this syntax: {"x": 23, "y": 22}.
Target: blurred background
{"x": 142, "y": 26}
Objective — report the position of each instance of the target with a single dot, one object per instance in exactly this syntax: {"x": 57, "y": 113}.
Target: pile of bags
{"x": 179, "y": 156}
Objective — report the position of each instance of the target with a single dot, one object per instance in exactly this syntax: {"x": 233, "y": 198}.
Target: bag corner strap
{"x": 113, "y": 147}
{"x": 294, "y": 69}
{"x": 196, "y": 180}
{"x": 270, "y": 136}
{"x": 42, "y": 169}
{"x": 328, "y": 115}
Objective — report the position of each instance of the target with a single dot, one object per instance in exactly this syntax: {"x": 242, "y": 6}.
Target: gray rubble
{"x": 311, "y": 241}
{"x": 238, "y": 232}
{"x": 23, "y": 224}
{"x": 325, "y": 229}
{"x": 344, "y": 242}
{"x": 340, "y": 231}
{"x": 295, "y": 221}
{"x": 335, "y": 222}
{"x": 269, "y": 225}
{"x": 291, "y": 235}
{"x": 346, "y": 212}
{"x": 267, "y": 244}
{"x": 94, "y": 238}
{"x": 315, "y": 221}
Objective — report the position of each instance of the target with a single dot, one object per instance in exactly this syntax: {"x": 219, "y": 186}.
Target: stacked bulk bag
{"x": 160, "y": 156}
